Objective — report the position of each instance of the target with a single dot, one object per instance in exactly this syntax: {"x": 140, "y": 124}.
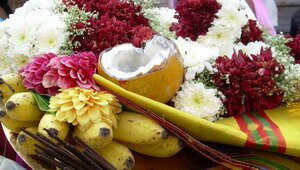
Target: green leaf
{"x": 42, "y": 101}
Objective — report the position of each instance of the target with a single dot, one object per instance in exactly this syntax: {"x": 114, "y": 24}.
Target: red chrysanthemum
{"x": 249, "y": 84}
{"x": 295, "y": 47}
{"x": 251, "y": 32}
{"x": 71, "y": 70}
{"x": 120, "y": 9}
{"x": 194, "y": 17}
{"x": 118, "y": 22}
{"x": 34, "y": 71}
{"x": 140, "y": 34}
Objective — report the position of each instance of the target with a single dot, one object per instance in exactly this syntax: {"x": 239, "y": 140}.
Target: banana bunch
{"x": 26, "y": 143}
{"x": 22, "y": 111}
{"x": 134, "y": 131}
{"x": 60, "y": 129}
{"x": 19, "y": 108}
{"x": 143, "y": 135}
{"x": 9, "y": 85}
{"x": 96, "y": 136}
{"x": 117, "y": 155}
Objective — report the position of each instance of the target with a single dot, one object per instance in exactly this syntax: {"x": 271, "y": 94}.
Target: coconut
{"x": 154, "y": 71}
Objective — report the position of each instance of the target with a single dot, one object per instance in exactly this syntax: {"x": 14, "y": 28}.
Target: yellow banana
{"x": 13, "y": 124}
{"x": 48, "y": 121}
{"x": 97, "y": 135}
{"x": 166, "y": 148}
{"x": 22, "y": 106}
{"x": 10, "y": 84}
{"x": 138, "y": 129}
{"x": 118, "y": 155}
{"x": 25, "y": 143}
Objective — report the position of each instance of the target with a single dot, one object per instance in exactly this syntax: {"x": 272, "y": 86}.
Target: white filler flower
{"x": 195, "y": 99}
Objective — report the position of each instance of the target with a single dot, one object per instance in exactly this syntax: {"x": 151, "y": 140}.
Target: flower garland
{"x": 232, "y": 65}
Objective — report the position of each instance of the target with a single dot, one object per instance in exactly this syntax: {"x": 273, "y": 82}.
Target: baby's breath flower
{"x": 289, "y": 81}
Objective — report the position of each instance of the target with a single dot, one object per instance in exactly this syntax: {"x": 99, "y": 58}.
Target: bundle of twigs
{"x": 68, "y": 157}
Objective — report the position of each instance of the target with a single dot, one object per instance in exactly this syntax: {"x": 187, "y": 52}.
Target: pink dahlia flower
{"x": 72, "y": 70}
{"x": 34, "y": 71}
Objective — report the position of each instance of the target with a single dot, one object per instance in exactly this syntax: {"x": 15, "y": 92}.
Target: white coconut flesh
{"x": 126, "y": 61}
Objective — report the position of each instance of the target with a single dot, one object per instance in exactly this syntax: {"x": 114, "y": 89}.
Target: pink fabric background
{"x": 262, "y": 15}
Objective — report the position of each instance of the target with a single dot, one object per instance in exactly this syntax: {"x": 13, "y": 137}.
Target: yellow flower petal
{"x": 83, "y": 120}
{"x": 70, "y": 116}
{"x": 60, "y": 116}
{"x": 102, "y": 102}
{"x": 82, "y": 97}
{"x": 83, "y": 107}
{"x": 94, "y": 113}
{"x": 66, "y": 107}
{"x": 78, "y": 105}
{"x": 63, "y": 101}
{"x": 82, "y": 111}
{"x": 105, "y": 110}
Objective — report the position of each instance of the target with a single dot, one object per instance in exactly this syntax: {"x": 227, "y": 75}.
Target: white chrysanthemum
{"x": 161, "y": 20}
{"x": 33, "y": 26}
{"x": 3, "y": 28}
{"x": 251, "y": 48}
{"x": 220, "y": 36}
{"x": 4, "y": 61}
{"x": 195, "y": 99}
{"x": 17, "y": 62}
{"x": 21, "y": 37}
{"x": 51, "y": 36}
{"x": 233, "y": 16}
{"x": 226, "y": 28}
{"x": 241, "y": 5}
{"x": 5, "y": 65}
{"x": 166, "y": 15}
{"x": 33, "y": 5}
{"x": 195, "y": 57}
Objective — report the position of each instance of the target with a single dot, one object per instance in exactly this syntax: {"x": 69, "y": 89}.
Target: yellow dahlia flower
{"x": 83, "y": 107}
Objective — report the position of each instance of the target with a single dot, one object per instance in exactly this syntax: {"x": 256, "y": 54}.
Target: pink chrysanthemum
{"x": 72, "y": 70}
{"x": 34, "y": 71}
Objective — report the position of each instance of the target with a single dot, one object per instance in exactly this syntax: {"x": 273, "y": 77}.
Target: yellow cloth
{"x": 285, "y": 121}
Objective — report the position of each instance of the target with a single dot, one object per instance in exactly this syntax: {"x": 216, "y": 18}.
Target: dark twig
{"x": 74, "y": 150}
{"x": 94, "y": 155}
{"x": 54, "y": 155}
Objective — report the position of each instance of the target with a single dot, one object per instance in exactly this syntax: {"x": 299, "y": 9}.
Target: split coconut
{"x": 155, "y": 71}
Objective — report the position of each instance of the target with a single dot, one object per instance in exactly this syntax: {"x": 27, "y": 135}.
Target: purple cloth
{"x": 262, "y": 16}
{"x": 7, "y": 150}
{"x": 172, "y": 3}
{"x": 21, "y": 162}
